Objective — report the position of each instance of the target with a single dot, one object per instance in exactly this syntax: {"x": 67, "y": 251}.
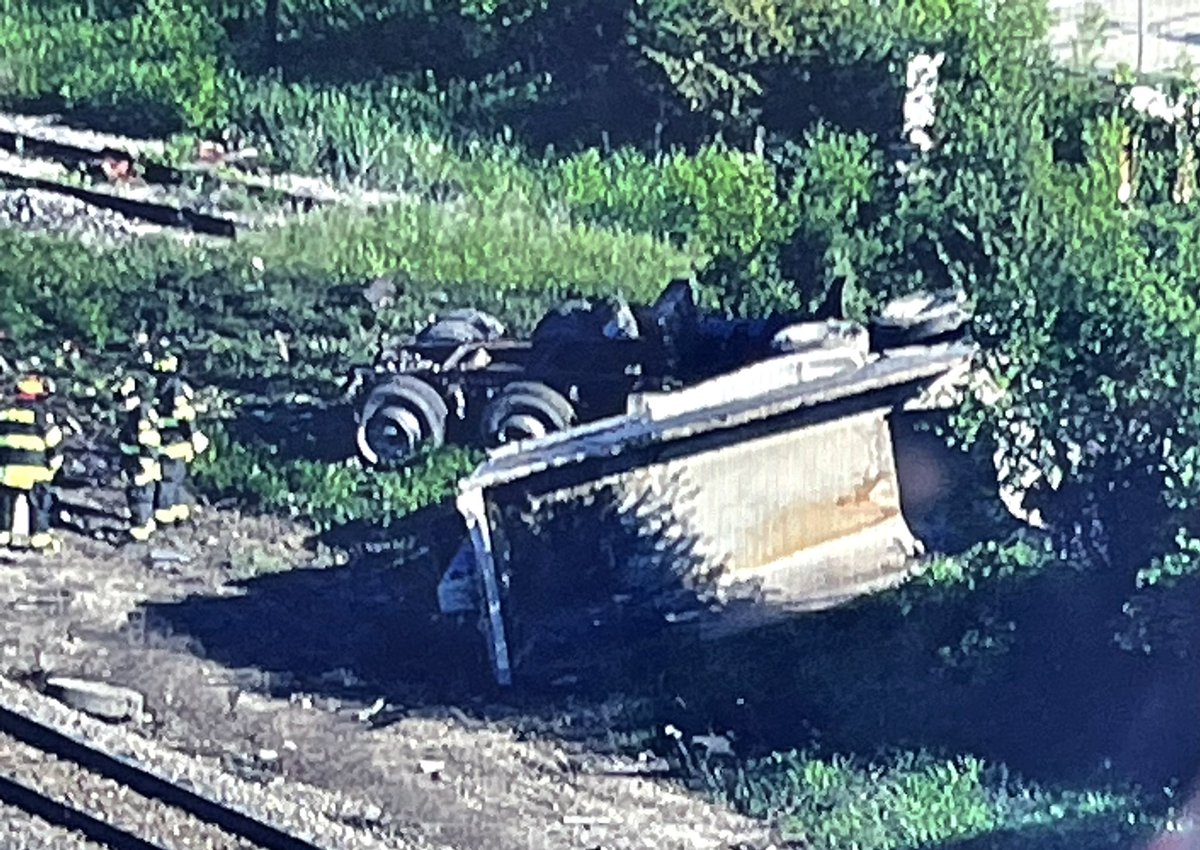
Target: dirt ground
{"x": 252, "y": 649}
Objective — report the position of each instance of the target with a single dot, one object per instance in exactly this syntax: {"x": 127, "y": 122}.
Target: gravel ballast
{"x": 22, "y": 831}
{"x": 36, "y": 210}
{"x": 109, "y": 801}
{"x": 291, "y": 808}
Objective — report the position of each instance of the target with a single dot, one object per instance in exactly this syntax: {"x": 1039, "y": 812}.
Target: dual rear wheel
{"x": 400, "y": 416}
{"x": 405, "y": 414}
{"x": 525, "y": 410}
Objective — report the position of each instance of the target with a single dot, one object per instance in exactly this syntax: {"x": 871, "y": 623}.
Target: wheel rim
{"x": 521, "y": 426}
{"x": 390, "y": 435}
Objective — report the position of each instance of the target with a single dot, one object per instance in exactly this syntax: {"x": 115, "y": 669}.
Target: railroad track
{"x": 110, "y": 788}
{"x": 115, "y": 802}
{"x": 131, "y": 177}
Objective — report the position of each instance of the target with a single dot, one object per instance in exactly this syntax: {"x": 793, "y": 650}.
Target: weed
{"x": 328, "y": 495}
{"x": 906, "y": 800}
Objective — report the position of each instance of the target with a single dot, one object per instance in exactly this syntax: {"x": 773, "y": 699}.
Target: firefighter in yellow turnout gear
{"x": 140, "y": 442}
{"x": 181, "y": 441}
{"x": 29, "y": 461}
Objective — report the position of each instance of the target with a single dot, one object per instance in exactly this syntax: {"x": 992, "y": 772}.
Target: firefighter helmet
{"x": 33, "y": 386}
{"x": 166, "y": 364}
{"x": 127, "y": 391}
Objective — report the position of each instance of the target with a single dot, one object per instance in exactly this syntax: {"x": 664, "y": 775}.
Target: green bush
{"x": 154, "y": 70}
{"x": 783, "y": 232}
{"x": 350, "y": 133}
{"x": 907, "y": 800}
{"x": 327, "y": 495}
{"x": 786, "y": 63}
{"x": 403, "y": 131}
{"x": 839, "y": 196}
{"x": 486, "y": 252}
{"x": 284, "y": 310}
{"x": 721, "y": 201}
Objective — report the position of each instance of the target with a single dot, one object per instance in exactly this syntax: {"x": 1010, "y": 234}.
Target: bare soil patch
{"x": 251, "y": 650}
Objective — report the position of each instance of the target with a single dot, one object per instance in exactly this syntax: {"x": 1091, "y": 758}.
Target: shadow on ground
{"x": 1055, "y": 706}
{"x": 1061, "y": 705}
{"x": 322, "y": 433}
{"x": 1098, "y": 832}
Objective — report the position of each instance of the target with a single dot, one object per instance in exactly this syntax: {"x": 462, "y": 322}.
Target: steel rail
{"x": 147, "y": 783}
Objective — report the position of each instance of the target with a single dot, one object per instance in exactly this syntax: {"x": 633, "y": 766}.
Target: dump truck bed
{"x": 729, "y": 503}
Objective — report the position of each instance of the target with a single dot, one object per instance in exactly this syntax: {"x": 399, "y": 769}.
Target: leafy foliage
{"x": 723, "y": 201}
{"x": 302, "y": 320}
{"x": 395, "y": 132}
{"x": 782, "y": 232}
{"x": 156, "y": 69}
{"x": 494, "y": 249}
{"x": 328, "y": 495}
{"x": 907, "y": 800}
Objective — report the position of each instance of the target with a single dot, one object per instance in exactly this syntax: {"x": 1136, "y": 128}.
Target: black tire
{"x": 887, "y": 335}
{"x": 942, "y": 319}
{"x": 398, "y": 417}
{"x": 524, "y": 410}
{"x": 462, "y": 326}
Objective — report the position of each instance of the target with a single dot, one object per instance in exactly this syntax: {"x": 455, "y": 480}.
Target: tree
{"x": 271, "y": 33}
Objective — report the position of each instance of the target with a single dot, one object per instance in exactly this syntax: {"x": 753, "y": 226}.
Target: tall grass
{"x": 908, "y": 800}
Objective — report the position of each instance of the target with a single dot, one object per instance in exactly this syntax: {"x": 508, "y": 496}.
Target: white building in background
{"x": 1159, "y": 32}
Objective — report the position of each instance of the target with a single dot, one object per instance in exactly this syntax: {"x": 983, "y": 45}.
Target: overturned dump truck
{"x": 739, "y": 498}
{"x": 462, "y": 380}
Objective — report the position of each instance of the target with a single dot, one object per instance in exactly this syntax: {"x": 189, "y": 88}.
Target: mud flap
{"x": 458, "y": 590}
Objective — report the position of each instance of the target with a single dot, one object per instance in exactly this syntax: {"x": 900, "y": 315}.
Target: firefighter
{"x": 29, "y": 460}
{"x": 140, "y": 443}
{"x": 181, "y": 441}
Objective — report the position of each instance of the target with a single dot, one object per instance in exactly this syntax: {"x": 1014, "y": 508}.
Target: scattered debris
{"x": 364, "y": 816}
{"x": 431, "y": 767}
{"x": 586, "y": 820}
{"x": 302, "y": 700}
{"x": 170, "y": 555}
{"x": 646, "y": 764}
{"x": 370, "y": 711}
{"x": 107, "y": 702}
{"x": 714, "y": 745}
{"x": 207, "y": 151}
{"x": 248, "y": 768}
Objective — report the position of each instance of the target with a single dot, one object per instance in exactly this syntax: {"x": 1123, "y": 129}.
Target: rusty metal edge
{"x": 603, "y": 438}
{"x": 609, "y": 436}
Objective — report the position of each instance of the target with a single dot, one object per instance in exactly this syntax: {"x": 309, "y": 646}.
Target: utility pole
{"x": 1141, "y": 32}
{"x": 271, "y": 33}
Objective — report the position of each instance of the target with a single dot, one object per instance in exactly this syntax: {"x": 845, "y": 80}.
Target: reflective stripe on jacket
{"x": 139, "y": 441}
{"x": 147, "y": 472}
{"x": 24, "y": 477}
{"x": 182, "y": 450}
{"x": 176, "y": 417}
{"x": 175, "y": 414}
{"x": 139, "y": 434}
{"x": 28, "y": 438}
